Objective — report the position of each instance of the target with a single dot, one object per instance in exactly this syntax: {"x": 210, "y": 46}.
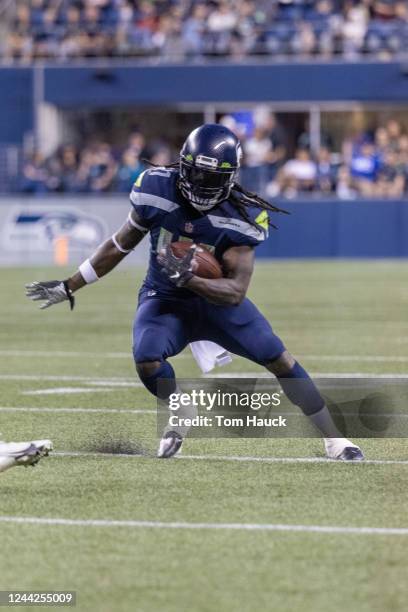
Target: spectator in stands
{"x": 326, "y": 171}
{"x": 193, "y": 30}
{"x": 68, "y": 169}
{"x": 344, "y": 184}
{"x": 159, "y": 153}
{"x": 258, "y": 148}
{"x": 382, "y": 140}
{"x": 69, "y": 45}
{"x": 371, "y": 165}
{"x": 248, "y": 16}
{"x": 304, "y": 43}
{"x": 394, "y": 132}
{"x": 391, "y": 176}
{"x": 354, "y": 28}
{"x": 47, "y": 35}
{"x": 207, "y": 27}
{"x": 298, "y": 175}
{"x": 102, "y": 169}
{"x": 364, "y": 167}
{"x": 128, "y": 171}
{"x": 167, "y": 37}
{"x": 36, "y": 177}
{"x": 220, "y": 24}
{"x": 136, "y": 141}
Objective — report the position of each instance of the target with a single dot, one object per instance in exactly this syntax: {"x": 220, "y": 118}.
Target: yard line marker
{"x": 114, "y": 381}
{"x": 128, "y": 382}
{"x": 28, "y": 353}
{"x": 242, "y": 459}
{"x": 65, "y": 390}
{"x": 143, "y": 411}
{"x": 134, "y": 524}
{"x": 341, "y": 375}
{"x": 366, "y": 358}
{"x": 76, "y": 410}
{"x": 128, "y": 355}
{"x": 75, "y": 354}
{"x": 152, "y": 411}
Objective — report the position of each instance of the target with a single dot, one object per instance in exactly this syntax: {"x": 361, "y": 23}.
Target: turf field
{"x": 199, "y": 533}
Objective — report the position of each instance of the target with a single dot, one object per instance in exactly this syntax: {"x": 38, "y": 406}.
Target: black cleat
{"x": 170, "y": 444}
{"x": 351, "y": 453}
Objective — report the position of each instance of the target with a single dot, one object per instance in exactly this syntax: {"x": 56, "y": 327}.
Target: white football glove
{"x": 178, "y": 269}
{"x": 53, "y": 292}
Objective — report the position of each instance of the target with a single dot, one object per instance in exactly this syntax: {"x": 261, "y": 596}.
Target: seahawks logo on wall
{"x": 37, "y": 229}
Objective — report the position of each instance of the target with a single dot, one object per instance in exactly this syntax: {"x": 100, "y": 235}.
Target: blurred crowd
{"x": 69, "y": 29}
{"x": 372, "y": 164}
{"x": 97, "y": 167}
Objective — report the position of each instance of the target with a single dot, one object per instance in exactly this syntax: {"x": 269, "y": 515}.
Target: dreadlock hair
{"x": 241, "y": 198}
{"x": 244, "y": 199}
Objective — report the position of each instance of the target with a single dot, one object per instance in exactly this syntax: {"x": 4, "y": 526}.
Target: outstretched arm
{"x": 238, "y": 265}
{"x": 111, "y": 252}
{"x": 106, "y": 257}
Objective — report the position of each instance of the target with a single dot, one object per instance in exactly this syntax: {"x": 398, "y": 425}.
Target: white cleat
{"x": 170, "y": 445}
{"x": 23, "y": 453}
{"x": 342, "y": 449}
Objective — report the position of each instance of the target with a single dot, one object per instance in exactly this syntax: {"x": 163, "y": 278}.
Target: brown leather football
{"x": 205, "y": 264}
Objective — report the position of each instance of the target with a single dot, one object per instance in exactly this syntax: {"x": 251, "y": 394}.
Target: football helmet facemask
{"x": 209, "y": 161}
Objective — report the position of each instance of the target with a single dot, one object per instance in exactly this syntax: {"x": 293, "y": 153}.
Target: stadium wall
{"x": 284, "y": 82}
{"x": 16, "y": 104}
{"x": 37, "y": 231}
{"x": 101, "y": 84}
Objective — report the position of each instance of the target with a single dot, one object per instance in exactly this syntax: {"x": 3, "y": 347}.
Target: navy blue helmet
{"x": 209, "y": 161}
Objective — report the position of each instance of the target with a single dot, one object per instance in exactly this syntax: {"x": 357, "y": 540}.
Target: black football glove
{"x": 178, "y": 269}
{"x": 53, "y": 292}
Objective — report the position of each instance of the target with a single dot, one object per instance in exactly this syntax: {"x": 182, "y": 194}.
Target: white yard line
{"x": 128, "y": 355}
{"x": 134, "y": 524}
{"x": 335, "y": 375}
{"x": 75, "y": 354}
{"x": 365, "y": 358}
{"x": 141, "y": 411}
{"x": 123, "y": 381}
{"x": 242, "y": 459}
{"x": 76, "y": 410}
{"x": 66, "y": 390}
{"x": 94, "y": 380}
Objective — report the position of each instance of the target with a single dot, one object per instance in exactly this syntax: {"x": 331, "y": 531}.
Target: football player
{"x": 199, "y": 198}
{"x": 13, "y": 454}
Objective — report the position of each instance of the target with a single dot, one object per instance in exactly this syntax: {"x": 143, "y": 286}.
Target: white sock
{"x": 6, "y": 463}
{"x": 324, "y": 423}
{"x": 183, "y": 412}
{"x": 335, "y": 446}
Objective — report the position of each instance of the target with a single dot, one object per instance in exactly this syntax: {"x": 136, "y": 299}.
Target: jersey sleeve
{"x": 142, "y": 188}
{"x": 242, "y": 233}
{"x": 151, "y": 196}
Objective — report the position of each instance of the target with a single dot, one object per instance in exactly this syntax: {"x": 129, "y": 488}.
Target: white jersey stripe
{"x": 147, "y": 199}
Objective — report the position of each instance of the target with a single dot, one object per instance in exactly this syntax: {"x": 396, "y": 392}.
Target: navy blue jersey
{"x": 163, "y": 211}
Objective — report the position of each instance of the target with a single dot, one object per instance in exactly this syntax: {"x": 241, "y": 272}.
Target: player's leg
{"x": 301, "y": 390}
{"x": 13, "y": 454}
{"x": 243, "y": 330}
{"x": 161, "y": 330}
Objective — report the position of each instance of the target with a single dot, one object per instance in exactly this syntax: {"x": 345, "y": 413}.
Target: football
{"x": 206, "y": 266}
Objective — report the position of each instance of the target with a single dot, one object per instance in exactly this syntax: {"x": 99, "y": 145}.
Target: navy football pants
{"x": 163, "y": 327}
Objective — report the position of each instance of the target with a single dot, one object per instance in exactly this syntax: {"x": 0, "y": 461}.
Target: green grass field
{"x": 70, "y": 377}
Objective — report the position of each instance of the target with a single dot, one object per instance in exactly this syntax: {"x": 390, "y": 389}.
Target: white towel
{"x": 208, "y": 355}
